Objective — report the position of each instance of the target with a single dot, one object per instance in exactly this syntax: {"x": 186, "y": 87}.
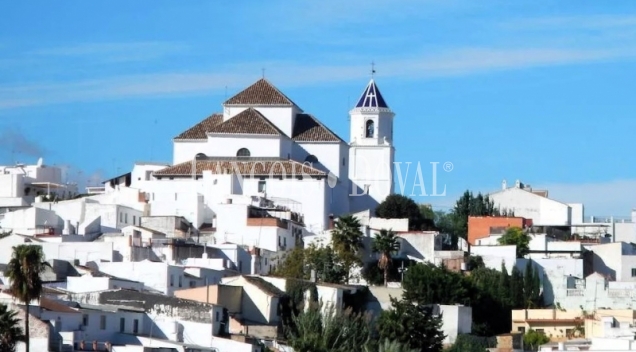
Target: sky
{"x": 539, "y": 91}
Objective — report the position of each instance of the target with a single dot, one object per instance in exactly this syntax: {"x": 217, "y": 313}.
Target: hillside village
{"x": 265, "y": 213}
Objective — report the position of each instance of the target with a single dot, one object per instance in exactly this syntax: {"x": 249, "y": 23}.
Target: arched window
{"x": 370, "y": 127}
{"x": 311, "y": 159}
{"x": 243, "y": 153}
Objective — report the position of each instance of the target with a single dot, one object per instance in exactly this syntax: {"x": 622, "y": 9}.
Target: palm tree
{"x": 10, "y": 331}
{"x": 346, "y": 239}
{"x": 24, "y": 269}
{"x": 385, "y": 243}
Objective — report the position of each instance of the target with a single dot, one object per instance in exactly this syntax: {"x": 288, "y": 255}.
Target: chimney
{"x": 330, "y": 226}
{"x": 504, "y": 185}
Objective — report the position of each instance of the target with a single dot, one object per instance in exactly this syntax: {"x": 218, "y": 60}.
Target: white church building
{"x": 264, "y": 149}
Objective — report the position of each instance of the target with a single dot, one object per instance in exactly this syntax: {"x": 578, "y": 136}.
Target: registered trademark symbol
{"x": 448, "y": 166}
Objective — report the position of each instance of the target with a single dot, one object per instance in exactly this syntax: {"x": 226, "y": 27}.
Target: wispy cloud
{"x": 573, "y": 22}
{"x": 459, "y": 62}
{"x": 112, "y": 52}
{"x": 614, "y": 197}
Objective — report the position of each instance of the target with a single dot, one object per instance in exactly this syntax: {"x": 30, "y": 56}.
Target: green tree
{"x": 533, "y": 339}
{"x": 385, "y": 243}
{"x": 468, "y": 343}
{"x": 322, "y": 259}
{"x": 346, "y": 239}
{"x": 412, "y": 324}
{"x": 474, "y": 262}
{"x": 293, "y": 265}
{"x": 325, "y": 262}
{"x": 24, "y": 270}
{"x": 392, "y": 346}
{"x": 10, "y": 330}
{"x": 517, "y": 237}
{"x": 504, "y": 285}
{"x": 516, "y": 289}
{"x": 426, "y": 283}
{"x": 327, "y": 330}
{"x": 428, "y": 218}
{"x": 397, "y": 206}
{"x": 527, "y": 285}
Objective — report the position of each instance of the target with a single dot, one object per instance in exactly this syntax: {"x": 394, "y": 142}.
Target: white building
{"x": 20, "y": 184}
{"x": 263, "y": 144}
{"x": 535, "y": 204}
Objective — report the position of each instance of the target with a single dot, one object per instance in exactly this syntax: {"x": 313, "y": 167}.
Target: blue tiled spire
{"x": 371, "y": 97}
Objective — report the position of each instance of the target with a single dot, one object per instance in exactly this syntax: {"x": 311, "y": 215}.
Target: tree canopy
{"x": 517, "y": 237}
{"x": 489, "y": 292}
{"x": 413, "y": 325}
{"x": 385, "y": 243}
{"x": 10, "y": 330}
{"x": 24, "y": 270}
{"x": 397, "y": 206}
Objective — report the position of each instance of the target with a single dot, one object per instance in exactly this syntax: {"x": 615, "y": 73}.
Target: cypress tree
{"x": 536, "y": 288}
{"x": 504, "y": 286}
{"x": 516, "y": 289}
{"x": 527, "y": 284}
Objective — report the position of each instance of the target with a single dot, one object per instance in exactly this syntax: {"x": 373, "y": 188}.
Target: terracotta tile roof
{"x": 249, "y": 121}
{"x": 55, "y": 306}
{"x": 260, "y": 93}
{"x": 199, "y": 130}
{"x": 245, "y": 167}
{"x": 308, "y": 129}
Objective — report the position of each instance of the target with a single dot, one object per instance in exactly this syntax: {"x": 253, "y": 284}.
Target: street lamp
{"x": 401, "y": 270}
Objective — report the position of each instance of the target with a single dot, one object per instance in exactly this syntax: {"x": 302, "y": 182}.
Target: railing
{"x": 621, "y": 293}
{"x": 575, "y": 293}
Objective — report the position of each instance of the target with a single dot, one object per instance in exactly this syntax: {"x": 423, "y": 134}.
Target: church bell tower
{"x": 371, "y": 151}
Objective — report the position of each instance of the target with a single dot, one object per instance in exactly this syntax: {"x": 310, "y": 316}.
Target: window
{"x": 121, "y": 217}
{"x": 521, "y": 329}
{"x": 134, "y": 219}
{"x": 217, "y": 316}
{"x": 284, "y": 241}
{"x": 240, "y": 265}
{"x": 633, "y": 272}
{"x": 179, "y": 280}
{"x": 85, "y": 319}
{"x": 343, "y": 161}
{"x": 122, "y": 324}
{"x": 311, "y": 159}
{"x": 540, "y": 331}
{"x": 102, "y": 322}
{"x": 171, "y": 280}
{"x": 370, "y": 129}
{"x": 135, "y": 326}
{"x": 243, "y": 152}
{"x": 125, "y": 218}
{"x": 148, "y": 174}
{"x": 192, "y": 284}
{"x": 262, "y": 186}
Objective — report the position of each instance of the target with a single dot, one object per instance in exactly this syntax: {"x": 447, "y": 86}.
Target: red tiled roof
{"x": 245, "y": 167}
{"x": 260, "y": 93}
{"x": 55, "y": 306}
{"x": 249, "y": 121}
{"x": 308, "y": 129}
{"x": 200, "y": 130}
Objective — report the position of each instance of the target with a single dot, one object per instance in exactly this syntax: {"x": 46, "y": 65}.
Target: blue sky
{"x": 532, "y": 90}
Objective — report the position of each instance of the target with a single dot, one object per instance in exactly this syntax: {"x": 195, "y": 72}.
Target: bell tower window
{"x": 243, "y": 152}
{"x": 370, "y": 129}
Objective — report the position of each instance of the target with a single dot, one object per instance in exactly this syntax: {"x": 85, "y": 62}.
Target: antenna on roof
{"x": 372, "y": 69}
